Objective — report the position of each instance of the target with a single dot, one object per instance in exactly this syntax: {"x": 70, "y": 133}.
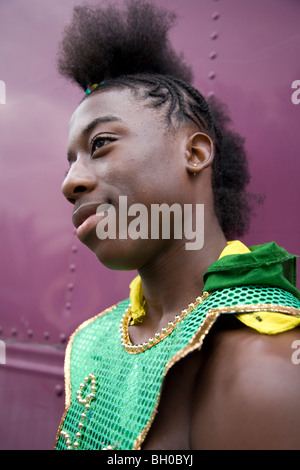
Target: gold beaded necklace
{"x": 138, "y": 348}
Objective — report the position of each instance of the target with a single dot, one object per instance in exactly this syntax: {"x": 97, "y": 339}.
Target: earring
{"x": 194, "y": 164}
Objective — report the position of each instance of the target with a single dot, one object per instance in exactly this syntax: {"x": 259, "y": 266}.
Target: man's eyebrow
{"x": 99, "y": 120}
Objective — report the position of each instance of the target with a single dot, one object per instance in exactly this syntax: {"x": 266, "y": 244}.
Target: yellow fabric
{"x": 137, "y": 301}
{"x": 234, "y": 248}
{"x": 269, "y": 323}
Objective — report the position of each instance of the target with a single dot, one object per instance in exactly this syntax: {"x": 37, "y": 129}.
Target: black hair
{"x": 110, "y": 47}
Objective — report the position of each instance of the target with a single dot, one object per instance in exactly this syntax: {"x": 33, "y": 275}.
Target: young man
{"x": 199, "y": 357}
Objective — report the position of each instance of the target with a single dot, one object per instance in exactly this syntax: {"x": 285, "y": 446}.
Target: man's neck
{"x": 175, "y": 279}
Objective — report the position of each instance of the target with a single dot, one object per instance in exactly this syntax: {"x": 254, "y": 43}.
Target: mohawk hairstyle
{"x": 117, "y": 49}
{"x": 104, "y": 43}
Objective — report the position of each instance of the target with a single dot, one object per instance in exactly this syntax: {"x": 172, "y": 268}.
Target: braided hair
{"x": 111, "y": 48}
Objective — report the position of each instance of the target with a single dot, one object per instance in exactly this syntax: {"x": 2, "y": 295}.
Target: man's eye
{"x": 99, "y": 142}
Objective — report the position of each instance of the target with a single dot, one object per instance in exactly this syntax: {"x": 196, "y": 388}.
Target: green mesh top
{"x": 112, "y": 395}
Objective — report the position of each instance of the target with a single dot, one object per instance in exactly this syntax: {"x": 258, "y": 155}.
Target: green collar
{"x": 266, "y": 264}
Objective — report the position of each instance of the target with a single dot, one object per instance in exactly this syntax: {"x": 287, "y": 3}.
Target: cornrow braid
{"x": 163, "y": 89}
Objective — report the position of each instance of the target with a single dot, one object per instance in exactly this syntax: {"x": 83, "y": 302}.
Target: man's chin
{"x": 124, "y": 254}
{"x": 116, "y": 254}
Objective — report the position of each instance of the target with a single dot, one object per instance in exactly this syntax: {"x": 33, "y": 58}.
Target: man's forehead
{"x": 117, "y": 102}
{"x": 120, "y": 104}
{"x": 92, "y": 107}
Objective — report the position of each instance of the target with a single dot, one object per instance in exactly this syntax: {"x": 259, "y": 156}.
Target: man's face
{"x": 119, "y": 146}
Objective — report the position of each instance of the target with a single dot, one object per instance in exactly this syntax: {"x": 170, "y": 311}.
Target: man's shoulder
{"x": 252, "y": 355}
{"x": 249, "y": 391}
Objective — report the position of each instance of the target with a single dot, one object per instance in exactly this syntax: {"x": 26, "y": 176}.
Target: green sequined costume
{"x": 112, "y": 395}
{"x": 127, "y": 387}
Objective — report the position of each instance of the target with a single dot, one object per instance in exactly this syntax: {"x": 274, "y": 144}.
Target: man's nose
{"x": 79, "y": 180}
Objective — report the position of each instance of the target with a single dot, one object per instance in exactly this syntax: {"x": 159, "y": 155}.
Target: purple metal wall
{"x": 245, "y": 52}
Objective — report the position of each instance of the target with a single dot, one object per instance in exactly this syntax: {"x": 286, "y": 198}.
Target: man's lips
{"x": 86, "y": 217}
{"x": 83, "y": 212}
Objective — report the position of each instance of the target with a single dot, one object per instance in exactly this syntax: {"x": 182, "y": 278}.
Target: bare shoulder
{"x": 247, "y": 394}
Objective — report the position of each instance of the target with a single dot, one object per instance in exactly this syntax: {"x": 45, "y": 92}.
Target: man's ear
{"x": 199, "y": 152}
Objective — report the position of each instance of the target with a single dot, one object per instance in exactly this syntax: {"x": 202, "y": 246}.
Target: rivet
{"x": 1, "y": 330}
{"x": 214, "y": 35}
{"x": 212, "y": 75}
{"x": 216, "y": 15}
{"x": 210, "y": 94}
{"x": 29, "y": 333}
{"x": 46, "y": 335}
{"x": 68, "y": 305}
{"x": 62, "y": 338}
{"x": 59, "y": 390}
{"x": 72, "y": 267}
{"x": 74, "y": 249}
{"x": 70, "y": 286}
{"x": 213, "y": 55}
{"x": 14, "y": 331}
